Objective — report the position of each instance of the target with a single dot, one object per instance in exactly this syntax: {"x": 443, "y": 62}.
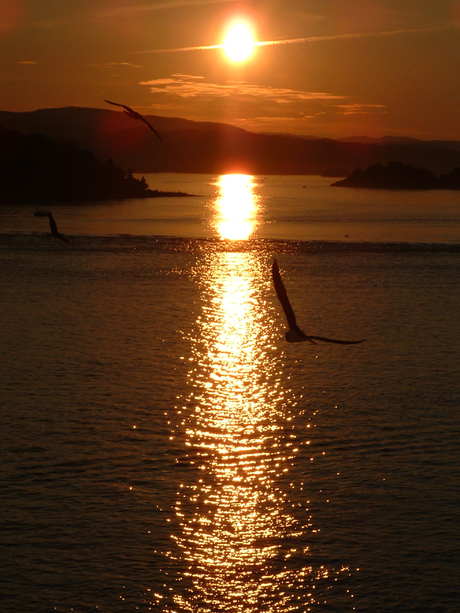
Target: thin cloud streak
{"x": 315, "y": 39}
{"x": 359, "y": 108}
{"x": 184, "y": 86}
{"x": 178, "y": 50}
{"x": 255, "y": 107}
{"x": 111, "y": 65}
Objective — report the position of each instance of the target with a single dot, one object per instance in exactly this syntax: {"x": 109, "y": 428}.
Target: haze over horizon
{"x": 321, "y": 68}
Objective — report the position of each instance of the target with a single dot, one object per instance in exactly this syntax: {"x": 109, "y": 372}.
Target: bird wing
{"x": 122, "y": 105}
{"x": 149, "y": 125}
{"x": 283, "y": 297}
{"x": 334, "y": 340}
{"x": 54, "y": 231}
{"x": 135, "y": 115}
{"x": 53, "y": 226}
{"x": 290, "y": 316}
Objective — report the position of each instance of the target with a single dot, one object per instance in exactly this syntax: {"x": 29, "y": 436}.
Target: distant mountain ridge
{"x": 206, "y": 147}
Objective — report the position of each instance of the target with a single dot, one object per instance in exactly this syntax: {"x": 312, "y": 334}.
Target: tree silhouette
{"x": 35, "y": 168}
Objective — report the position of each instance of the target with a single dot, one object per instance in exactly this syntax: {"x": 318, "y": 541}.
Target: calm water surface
{"x": 240, "y": 206}
{"x": 163, "y": 447}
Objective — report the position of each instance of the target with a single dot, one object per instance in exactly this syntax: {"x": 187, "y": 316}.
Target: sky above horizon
{"x": 327, "y": 68}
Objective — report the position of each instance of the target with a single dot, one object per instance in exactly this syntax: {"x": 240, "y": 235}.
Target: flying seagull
{"x": 134, "y": 115}
{"x": 295, "y": 334}
{"x": 54, "y": 231}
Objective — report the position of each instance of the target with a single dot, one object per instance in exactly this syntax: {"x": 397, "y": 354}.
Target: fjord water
{"x": 164, "y": 448}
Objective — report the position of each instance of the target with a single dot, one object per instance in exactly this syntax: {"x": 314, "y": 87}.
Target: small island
{"x": 35, "y": 168}
{"x": 396, "y": 175}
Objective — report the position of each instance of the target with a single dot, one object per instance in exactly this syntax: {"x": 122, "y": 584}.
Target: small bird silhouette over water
{"x": 135, "y": 115}
{"x": 54, "y": 231}
{"x": 295, "y": 334}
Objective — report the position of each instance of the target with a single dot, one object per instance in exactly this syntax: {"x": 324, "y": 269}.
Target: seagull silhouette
{"x": 134, "y": 115}
{"x": 295, "y": 334}
{"x": 54, "y": 231}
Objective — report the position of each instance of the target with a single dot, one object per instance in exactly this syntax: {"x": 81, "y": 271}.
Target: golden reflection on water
{"x": 236, "y": 207}
{"x": 235, "y": 533}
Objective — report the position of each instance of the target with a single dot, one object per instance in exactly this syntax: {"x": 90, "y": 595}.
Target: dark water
{"x": 164, "y": 449}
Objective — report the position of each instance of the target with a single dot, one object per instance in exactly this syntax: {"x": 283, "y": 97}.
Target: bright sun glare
{"x": 239, "y": 44}
{"x": 236, "y": 206}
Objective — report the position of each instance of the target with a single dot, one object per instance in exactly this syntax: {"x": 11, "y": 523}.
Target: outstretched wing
{"x": 135, "y": 115}
{"x": 54, "y": 231}
{"x": 149, "y": 125}
{"x": 290, "y": 316}
{"x": 334, "y": 340}
{"x": 53, "y": 226}
{"x": 283, "y": 297}
{"x": 122, "y": 105}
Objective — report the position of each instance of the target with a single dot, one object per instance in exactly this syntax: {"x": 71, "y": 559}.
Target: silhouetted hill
{"x": 404, "y": 140}
{"x": 400, "y": 176}
{"x": 34, "y": 167}
{"x": 220, "y": 148}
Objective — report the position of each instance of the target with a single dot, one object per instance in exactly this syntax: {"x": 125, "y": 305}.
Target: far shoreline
{"x": 41, "y": 203}
{"x": 398, "y": 176}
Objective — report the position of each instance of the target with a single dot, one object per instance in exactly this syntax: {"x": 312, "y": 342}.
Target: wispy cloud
{"x": 123, "y": 64}
{"x": 185, "y": 86}
{"x": 28, "y": 63}
{"x": 179, "y": 75}
{"x": 315, "y": 39}
{"x": 256, "y": 107}
{"x": 113, "y": 64}
{"x": 179, "y": 49}
{"x": 358, "y": 108}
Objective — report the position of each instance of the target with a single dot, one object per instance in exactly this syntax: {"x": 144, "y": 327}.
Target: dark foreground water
{"x": 164, "y": 449}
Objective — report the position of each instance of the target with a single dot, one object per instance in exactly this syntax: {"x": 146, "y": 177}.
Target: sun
{"x": 238, "y": 43}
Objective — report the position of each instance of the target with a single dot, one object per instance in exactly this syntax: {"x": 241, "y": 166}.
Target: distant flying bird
{"x": 54, "y": 231}
{"x": 134, "y": 115}
{"x": 295, "y": 334}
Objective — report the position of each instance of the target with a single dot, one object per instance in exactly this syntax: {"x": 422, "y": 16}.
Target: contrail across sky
{"x": 314, "y": 39}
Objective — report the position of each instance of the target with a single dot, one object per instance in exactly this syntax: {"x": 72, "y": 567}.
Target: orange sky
{"x": 341, "y": 68}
